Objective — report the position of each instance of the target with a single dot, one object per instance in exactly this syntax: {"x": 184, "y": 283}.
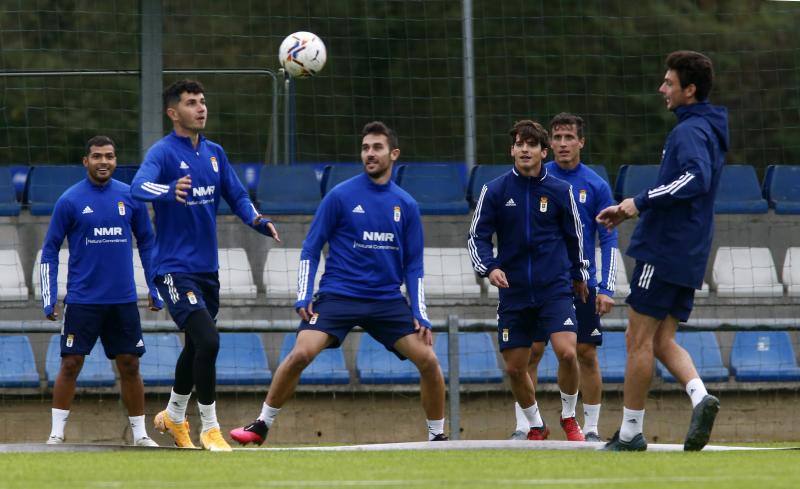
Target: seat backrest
{"x": 234, "y": 268}
{"x": 8, "y": 194}
{"x": 744, "y": 266}
{"x": 280, "y": 272}
{"x": 63, "y": 266}
{"x": 785, "y": 184}
{"x": 791, "y": 266}
{"x": 601, "y": 170}
{"x": 125, "y": 173}
{"x": 477, "y": 359}
{"x": 17, "y": 364}
{"x": 339, "y": 172}
{"x": 738, "y": 183}
{"x": 157, "y": 365}
{"x": 767, "y": 183}
{"x": 612, "y": 357}
{"x": 448, "y": 266}
{"x": 11, "y": 274}
{"x": 47, "y": 183}
{"x": 242, "y": 360}
{"x": 762, "y": 350}
{"x": 480, "y": 176}
{"x": 327, "y": 368}
{"x": 432, "y": 182}
{"x": 636, "y": 178}
{"x": 377, "y": 365}
{"x": 96, "y": 371}
{"x": 295, "y": 184}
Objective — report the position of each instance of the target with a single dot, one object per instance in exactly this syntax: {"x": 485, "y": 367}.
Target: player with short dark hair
{"x": 375, "y": 242}
{"x": 592, "y": 194}
{"x": 184, "y": 175}
{"x": 671, "y": 245}
{"x": 539, "y": 265}
{"x": 99, "y": 219}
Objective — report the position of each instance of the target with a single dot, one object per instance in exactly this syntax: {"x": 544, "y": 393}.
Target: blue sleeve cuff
{"x": 48, "y": 310}
{"x": 261, "y": 227}
{"x": 642, "y": 202}
{"x": 606, "y": 292}
{"x": 157, "y": 300}
{"x": 300, "y": 304}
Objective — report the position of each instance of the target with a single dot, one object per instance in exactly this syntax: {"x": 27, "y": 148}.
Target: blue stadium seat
{"x": 157, "y": 365}
{"x": 96, "y": 371}
{"x": 288, "y": 190}
{"x": 547, "y": 371}
{"x": 248, "y": 175}
{"x": 336, "y": 173}
{"x": 8, "y": 194}
{"x": 601, "y": 170}
{"x": 480, "y": 176}
{"x": 125, "y": 173}
{"x": 764, "y": 356}
{"x": 377, "y": 365}
{"x": 702, "y": 346}
{"x": 612, "y": 356}
{"x": 783, "y": 190}
{"x": 328, "y": 368}
{"x": 47, "y": 183}
{"x": 436, "y": 187}
{"x": 19, "y": 178}
{"x": 739, "y": 192}
{"x": 17, "y": 365}
{"x": 242, "y": 360}
{"x": 768, "y": 173}
{"x": 632, "y": 179}
{"x": 477, "y": 358}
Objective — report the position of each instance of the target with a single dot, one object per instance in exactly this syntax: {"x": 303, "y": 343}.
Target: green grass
{"x": 495, "y": 469}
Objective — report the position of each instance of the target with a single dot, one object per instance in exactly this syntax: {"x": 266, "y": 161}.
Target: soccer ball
{"x": 302, "y": 54}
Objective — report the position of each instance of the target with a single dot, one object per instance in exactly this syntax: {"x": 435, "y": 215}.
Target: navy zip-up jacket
{"x": 99, "y": 222}
{"x": 187, "y": 233}
{"x": 676, "y": 222}
{"x": 375, "y": 243}
{"x": 592, "y": 194}
{"x": 539, "y": 238}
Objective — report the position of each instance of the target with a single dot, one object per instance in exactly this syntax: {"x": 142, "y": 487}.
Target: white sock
{"x": 522, "y": 422}
{"x": 568, "y": 403}
{"x": 176, "y": 409}
{"x": 59, "y": 417}
{"x": 696, "y": 390}
{"x": 632, "y": 423}
{"x": 533, "y": 416}
{"x": 268, "y": 414}
{"x": 591, "y": 415}
{"x": 208, "y": 415}
{"x": 435, "y": 427}
{"x": 137, "y": 427}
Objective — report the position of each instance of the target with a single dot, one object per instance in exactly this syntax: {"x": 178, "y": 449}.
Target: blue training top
{"x": 592, "y": 194}
{"x": 187, "y": 233}
{"x": 375, "y": 239}
{"x": 98, "y": 222}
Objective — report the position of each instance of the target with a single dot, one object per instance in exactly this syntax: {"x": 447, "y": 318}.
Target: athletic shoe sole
{"x": 702, "y": 422}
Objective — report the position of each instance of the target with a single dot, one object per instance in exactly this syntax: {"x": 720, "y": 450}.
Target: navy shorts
{"x": 589, "y": 329}
{"x": 184, "y": 293}
{"x": 656, "y": 298}
{"x": 385, "y": 320}
{"x": 519, "y": 329}
{"x": 117, "y": 326}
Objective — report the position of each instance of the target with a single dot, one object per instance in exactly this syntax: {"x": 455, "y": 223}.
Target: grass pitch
{"x": 435, "y": 469}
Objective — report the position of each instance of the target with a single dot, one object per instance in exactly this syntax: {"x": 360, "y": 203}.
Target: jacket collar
{"x": 539, "y": 179}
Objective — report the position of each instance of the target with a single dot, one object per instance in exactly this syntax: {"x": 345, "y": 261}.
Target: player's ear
{"x": 86, "y": 162}
{"x": 394, "y": 154}
{"x": 172, "y": 113}
{"x": 544, "y": 153}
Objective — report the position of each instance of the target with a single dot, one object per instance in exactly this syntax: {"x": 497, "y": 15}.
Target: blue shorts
{"x": 656, "y": 298}
{"x": 117, "y": 326}
{"x": 184, "y": 293}
{"x": 519, "y": 329}
{"x": 385, "y": 320}
{"x": 589, "y": 329}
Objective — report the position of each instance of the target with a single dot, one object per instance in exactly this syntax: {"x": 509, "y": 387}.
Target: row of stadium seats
{"x": 756, "y": 356}
{"x": 737, "y": 272}
{"x": 439, "y": 188}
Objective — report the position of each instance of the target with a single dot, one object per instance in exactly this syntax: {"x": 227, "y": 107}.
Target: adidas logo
{"x": 596, "y": 332}
{"x": 569, "y": 322}
{"x": 511, "y": 203}
{"x": 140, "y": 343}
{"x": 87, "y": 210}
{"x": 633, "y": 421}
{"x": 184, "y": 166}
{"x": 358, "y": 209}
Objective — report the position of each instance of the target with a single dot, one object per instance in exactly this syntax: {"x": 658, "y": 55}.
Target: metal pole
{"x": 287, "y": 96}
{"x": 454, "y": 405}
{"x": 150, "y": 82}
{"x": 469, "y": 85}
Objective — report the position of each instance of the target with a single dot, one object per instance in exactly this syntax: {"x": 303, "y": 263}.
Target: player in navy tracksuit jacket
{"x": 591, "y": 194}
{"x": 99, "y": 219}
{"x": 671, "y": 245}
{"x": 184, "y": 175}
{"x": 540, "y": 260}
{"x": 374, "y": 235}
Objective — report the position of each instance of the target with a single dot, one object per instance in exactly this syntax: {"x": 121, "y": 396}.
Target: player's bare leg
{"x": 525, "y": 429}
{"x": 517, "y": 362}
{"x": 308, "y": 345}
{"x": 565, "y": 347}
{"x": 132, "y": 391}
{"x": 63, "y": 393}
{"x": 431, "y": 381}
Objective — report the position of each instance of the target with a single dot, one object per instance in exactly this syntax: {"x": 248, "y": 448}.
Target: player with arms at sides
{"x": 375, "y": 241}
{"x": 592, "y": 194}
{"x": 671, "y": 245}
{"x": 539, "y": 265}
{"x": 99, "y": 218}
{"x": 184, "y": 175}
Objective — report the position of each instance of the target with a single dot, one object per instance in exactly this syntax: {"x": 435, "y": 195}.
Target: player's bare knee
{"x": 427, "y": 363}
{"x": 587, "y": 356}
{"x": 516, "y": 371}
{"x": 566, "y": 355}
{"x": 300, "y": 358}
{"x": 128, "y": 366}
{"x": 71, "y": 366}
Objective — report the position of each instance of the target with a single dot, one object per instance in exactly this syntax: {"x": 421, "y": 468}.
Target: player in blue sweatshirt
{"x": 375, "y": 242}
{"x": 591, "y": 194}
{"x": 539, "y": 264}
{"x": 99, "y": 219}
{"x": 671, "y": 244}
{"x": 184, "y": 175}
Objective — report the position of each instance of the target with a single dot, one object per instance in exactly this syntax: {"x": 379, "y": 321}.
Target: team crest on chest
{"x": 582, "y": 196}
{"x": 121, "y": 208}
{"x": 397, "y": 213}
{"x": 543, "y": 204}
{"x": 214, "y": 164}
